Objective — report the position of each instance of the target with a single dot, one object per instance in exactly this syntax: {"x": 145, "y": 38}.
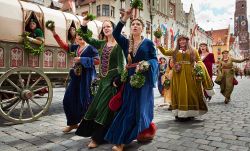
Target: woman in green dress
{"x": 226, "y": 73}
{"x": 188, "y": 99}
{"x": 99, "y": 116}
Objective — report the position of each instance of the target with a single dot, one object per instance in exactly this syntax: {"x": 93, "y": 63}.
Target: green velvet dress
{"x": 99, "y": 116}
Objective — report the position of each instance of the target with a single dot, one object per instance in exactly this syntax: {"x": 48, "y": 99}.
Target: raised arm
{"x": 166, "y": 52}
{"x": 239, "y": 60}
{"x": 98, "y": 44}
{"x": 120, "y": 39}
{"x": 60, "y": 42}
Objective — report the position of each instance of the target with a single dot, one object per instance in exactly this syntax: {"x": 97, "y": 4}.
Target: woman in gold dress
{"x": 188, "y": 99}
{"x": 226, "y": 73}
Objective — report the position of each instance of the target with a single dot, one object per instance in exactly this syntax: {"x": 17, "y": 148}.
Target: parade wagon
{"x": 26, "y": 80}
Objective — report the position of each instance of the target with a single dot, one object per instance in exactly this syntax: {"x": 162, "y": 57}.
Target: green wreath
{"x": 166, "y": 84}
{"x": 137, "y": 4}
{"x": 33, "y": 49}
{"x": 50, "y": 25}
{"x": 137, "y": 80}
{"x": 90, "y": 17}
{"x": 198, "y": 72}
{"x": 84, "y": 35}
{"x": 124, "y": 75}
{"x": 158, "y": 33}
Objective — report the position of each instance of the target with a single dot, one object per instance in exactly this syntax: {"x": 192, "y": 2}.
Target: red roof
{"x": 219, "y": 36}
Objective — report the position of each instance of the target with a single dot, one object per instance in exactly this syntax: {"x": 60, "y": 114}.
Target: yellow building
{"x": 221, "y": 41}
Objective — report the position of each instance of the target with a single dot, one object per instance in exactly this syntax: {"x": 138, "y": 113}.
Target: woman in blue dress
{"x": 77, "y": 97}
{"x": 136, "y": 113}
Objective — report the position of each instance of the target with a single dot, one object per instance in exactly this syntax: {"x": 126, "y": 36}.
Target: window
{"x": 112, "y": 11}
{"x": 148, "y": 29}
{"x": 98, "y": 10}
{"x": 105, "y": 10}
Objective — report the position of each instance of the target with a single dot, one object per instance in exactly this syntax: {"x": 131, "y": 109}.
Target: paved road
{"x": 224, "y": 127}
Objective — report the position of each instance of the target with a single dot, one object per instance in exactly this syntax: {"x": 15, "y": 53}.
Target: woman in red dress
{"x": 208, "y": 60}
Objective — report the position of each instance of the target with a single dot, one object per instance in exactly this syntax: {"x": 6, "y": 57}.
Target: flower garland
{"x": 166, "y": 84}
{"x": 50, "y": 25}
{"x": 94, "y": 86}
{"x": 198, "y": 72}
{"x": 28, "y": 45}
{"x": 137, "y": 80}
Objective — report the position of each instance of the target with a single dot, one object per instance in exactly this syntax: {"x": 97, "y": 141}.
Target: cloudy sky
{"x": 216, "y": 14}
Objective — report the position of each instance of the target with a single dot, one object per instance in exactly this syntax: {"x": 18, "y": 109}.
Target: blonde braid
{"x": 130, "y": 49}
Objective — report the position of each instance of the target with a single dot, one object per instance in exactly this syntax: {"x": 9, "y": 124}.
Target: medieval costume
{"x": 208, "y": 60}
{"x": 77, "y": 97}
{"x": 99, "y": 116}
{"x": 226, "y": 75}
{"x": 136, "y": 113}
{"x": 187, "y": 91}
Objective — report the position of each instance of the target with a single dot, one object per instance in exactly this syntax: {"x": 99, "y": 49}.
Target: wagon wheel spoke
{"x": 20, "y": 79}
{"x": 13, "y": 107}
{"x": 21, "y": 112}
{"x": 39, "y": 79}
{"x": 28, "y": 80}
{"x": 6, "y": 91}
{"x": 13, "y": 84}
{"x": 36, "y": 103}
{"x": 39, "y": 89}
{"x": 31, "y": 112}
{"x": 8, "y": 100}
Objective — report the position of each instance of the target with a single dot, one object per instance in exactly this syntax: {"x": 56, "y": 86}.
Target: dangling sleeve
{"x": 238, "y": 60}
{"x": 120, "y": 39}
{"x": 153, "y": 68}
{"x": 89, "y": 62}
{"x": 166, "y": 52}
{"x": 207, "y": 81}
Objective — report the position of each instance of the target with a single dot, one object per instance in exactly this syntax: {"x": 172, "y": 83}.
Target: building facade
{"x": 241, "y": 29}
{"x": 166, "y": 14}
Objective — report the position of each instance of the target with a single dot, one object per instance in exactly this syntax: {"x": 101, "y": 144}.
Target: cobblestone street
{"x": 224, "y": 127}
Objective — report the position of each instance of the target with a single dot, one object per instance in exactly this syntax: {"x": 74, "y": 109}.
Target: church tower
{"x": 241, "y": 25}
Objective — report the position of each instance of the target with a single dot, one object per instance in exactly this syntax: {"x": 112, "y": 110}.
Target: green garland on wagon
{"x": 50, "y": 25}
{"x": 137, "y": 4}
{"x": 27, "y": 45}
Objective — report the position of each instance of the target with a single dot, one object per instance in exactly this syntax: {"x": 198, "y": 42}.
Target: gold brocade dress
{"x": 228, "y": 72}
{"x": 167, "y": 92}
{"x": 187, "y": 93}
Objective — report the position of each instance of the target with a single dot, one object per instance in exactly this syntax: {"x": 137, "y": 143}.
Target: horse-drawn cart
{"x": 26, "y": 79}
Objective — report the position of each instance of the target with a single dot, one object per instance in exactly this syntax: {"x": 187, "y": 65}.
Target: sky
{"x": 216, "y": 14}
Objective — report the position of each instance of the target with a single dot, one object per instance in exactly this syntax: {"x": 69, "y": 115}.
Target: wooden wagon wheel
{"x": 31, "y": 94}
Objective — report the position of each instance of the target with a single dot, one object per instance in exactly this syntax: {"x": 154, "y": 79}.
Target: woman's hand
{"x": 85, "y": 21}
{"x": 76, "y": 60}
{"x": 126, "y": 14}
{"x": 157, "y": 42}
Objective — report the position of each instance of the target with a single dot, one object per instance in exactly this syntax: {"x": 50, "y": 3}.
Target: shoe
{"x": 118, "y": 148}
{"x": 92, "y": 144}
{"x": 226, "y": 101}
{"x": 70, "y": 128}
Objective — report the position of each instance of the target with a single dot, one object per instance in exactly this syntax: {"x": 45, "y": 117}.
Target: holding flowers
{"x": 136, "y": 113}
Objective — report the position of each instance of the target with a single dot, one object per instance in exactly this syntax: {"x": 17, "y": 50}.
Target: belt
{"x": 129, "y": 66}
{"x": 184, "y": 62}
